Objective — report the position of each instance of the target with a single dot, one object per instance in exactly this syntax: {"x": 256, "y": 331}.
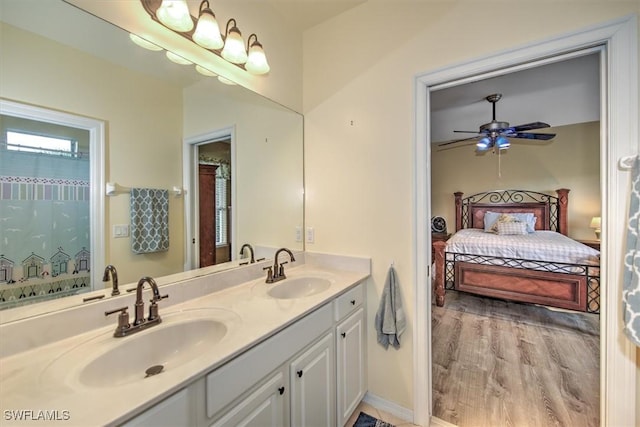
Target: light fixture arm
{"x": 235, "y": 25}
{"x": 249, "y": 41}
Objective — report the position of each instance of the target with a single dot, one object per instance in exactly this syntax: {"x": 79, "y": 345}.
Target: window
{"x": 221, "y": 209}
{"x": 20, "y": 141}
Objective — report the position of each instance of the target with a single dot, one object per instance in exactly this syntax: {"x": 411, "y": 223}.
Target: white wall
{"x": 359, "y": 105}
{"x": 267, "y": 161}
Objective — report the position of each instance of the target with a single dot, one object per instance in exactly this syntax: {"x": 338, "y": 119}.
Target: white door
{"x": 312, "y": 386}
{"x": 350, "y": 365}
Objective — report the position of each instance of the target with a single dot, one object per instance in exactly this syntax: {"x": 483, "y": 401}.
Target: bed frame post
{"x": 438, "y": 249}
{"x": 458, "y": 196}
{"x": 563, "y": 208}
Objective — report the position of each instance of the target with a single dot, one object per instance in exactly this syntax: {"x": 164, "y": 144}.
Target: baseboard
{"x": 437, "y": 422}
{"x": 389, "y": 407}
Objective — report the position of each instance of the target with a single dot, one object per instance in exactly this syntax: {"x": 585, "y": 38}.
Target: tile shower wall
{"x": 44, "y": 227}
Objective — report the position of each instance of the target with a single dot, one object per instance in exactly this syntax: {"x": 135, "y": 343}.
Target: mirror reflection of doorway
{"x": 214, "y": 202}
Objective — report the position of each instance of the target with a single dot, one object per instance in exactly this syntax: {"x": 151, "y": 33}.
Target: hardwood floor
{"x": 498, "y": 363}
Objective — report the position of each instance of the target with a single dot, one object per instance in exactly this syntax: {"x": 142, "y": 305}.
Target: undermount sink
{"x": 106, "y": 361}
{"x": 299, "y": 287}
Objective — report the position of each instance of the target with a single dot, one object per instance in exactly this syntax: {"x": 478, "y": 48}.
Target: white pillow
{"x": 490, "y": 219}
{"x": 512, "y": 228}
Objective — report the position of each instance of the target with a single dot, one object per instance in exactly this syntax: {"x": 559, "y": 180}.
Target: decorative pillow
{"x": 490, "y": 219}
{"x": 511, "y": 228}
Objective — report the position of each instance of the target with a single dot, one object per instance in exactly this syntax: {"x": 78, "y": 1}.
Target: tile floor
{"x": 381, "y": 415}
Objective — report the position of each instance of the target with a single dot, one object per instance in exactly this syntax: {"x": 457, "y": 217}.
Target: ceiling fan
{"x": 497, "y": 134}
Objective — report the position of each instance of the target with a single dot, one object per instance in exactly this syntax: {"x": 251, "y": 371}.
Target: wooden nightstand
{"x": 595, "y": 244}
{"x": 438, "y": 237}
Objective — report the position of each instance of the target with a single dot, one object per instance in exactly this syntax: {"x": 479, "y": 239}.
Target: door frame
{"x": 619, "y": 138}
{"x": 190, "y": 185}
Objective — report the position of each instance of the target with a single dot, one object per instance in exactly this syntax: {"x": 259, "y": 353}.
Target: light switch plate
{"x": 120, "y": 230}
{"x": 311, "y": 235}
{"x": 298, "y": 233}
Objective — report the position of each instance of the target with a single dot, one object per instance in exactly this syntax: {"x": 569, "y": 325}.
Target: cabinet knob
{"x": 344, "y": 334}
{"x": 353, "y": 302}
{"x": 281, "y": 390}
{"x": 299, "y": 373}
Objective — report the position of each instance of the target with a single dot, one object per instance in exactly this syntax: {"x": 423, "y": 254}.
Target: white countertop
{"x": 250, "y": 314}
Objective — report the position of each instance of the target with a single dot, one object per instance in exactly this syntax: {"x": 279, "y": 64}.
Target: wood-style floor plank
{"x": 498, "y": 363}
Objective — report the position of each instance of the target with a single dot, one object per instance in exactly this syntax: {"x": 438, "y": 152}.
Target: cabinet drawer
{"x": 349, "y": 301}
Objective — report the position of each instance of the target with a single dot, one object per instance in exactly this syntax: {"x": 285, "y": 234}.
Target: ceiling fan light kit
{"x": 497, "y": 135}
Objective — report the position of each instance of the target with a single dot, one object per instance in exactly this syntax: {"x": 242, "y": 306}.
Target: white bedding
{"x": 547, "y": 246}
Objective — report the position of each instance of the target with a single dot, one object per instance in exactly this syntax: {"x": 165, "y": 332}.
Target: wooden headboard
{"x": 550, "y": 211}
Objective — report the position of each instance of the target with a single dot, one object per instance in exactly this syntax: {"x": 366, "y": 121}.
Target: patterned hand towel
{"x": 390, "y": 320}
{"x": 631, "y": 277}
{"x": 149, "y": 220}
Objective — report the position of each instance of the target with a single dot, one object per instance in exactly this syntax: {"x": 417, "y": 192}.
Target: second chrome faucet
{"x": 275, "y": 273}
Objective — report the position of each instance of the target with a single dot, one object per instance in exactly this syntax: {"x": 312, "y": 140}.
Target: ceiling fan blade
{"x": 529, "y": 126}
{"x": 466, "y": 131}
{"x": 454, "y": 141}
{"x": 540, "y": 136}
{"x": 461, "y": 143}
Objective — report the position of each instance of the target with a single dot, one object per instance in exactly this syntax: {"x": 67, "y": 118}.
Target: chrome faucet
{"x": 246, "y": 245}
{"x": 275, "y": 273}
{"x": 124, "y": 328}
{"x": 114, "y": 279}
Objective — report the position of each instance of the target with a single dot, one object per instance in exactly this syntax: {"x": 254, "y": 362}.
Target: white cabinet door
{"x": 267, "y": 406}
{"x": 175, "y": 410}
{"x": 313, "y": 386}
{"x": 350, "y": 350}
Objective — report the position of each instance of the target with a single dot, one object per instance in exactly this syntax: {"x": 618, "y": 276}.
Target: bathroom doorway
{"x": 484, "y": 354}
{"x": 214, "y": 202}
{"x": 210, "y": 194}
{"x": 619, "y": 136}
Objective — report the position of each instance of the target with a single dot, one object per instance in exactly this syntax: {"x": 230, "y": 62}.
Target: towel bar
{"x": 113, "y": 188}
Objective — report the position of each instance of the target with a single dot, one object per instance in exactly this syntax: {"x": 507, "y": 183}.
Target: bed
{"x": 542, "y": 266}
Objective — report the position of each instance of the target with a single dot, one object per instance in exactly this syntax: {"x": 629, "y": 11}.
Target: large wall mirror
{"x": 161, "y": 122}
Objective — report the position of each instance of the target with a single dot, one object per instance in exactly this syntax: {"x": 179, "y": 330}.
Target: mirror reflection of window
{"x": 44, "y": 211}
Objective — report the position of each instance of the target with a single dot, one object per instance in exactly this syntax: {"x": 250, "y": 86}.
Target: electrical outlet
{"x": 298, "y": 233}
{"x": 311, "y": 234}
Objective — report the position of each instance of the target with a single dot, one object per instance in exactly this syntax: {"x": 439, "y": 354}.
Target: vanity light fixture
{"x": 177, "y": 59}
{"x": 205, "y": 32}
{"x": 144, "y": 43}
{"x": 204, "y": 71}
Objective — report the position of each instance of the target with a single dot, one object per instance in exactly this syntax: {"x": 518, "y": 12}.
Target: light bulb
{"x": 207, "y": 33}
{"x": 144, "y": 43}
{"x": 257, "y": 60}
{"x": 177, "y": 59}
{"x": 175, "y": 15}
{"x": 233, "y": 50}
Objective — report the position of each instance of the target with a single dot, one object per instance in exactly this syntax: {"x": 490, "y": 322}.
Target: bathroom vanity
{"x": 231, "y": 349}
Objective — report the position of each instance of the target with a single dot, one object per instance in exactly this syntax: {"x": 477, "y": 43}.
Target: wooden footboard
{"x": 538, "y": 287}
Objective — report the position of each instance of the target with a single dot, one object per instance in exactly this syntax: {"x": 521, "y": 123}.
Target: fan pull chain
{"x": 499, "y": 164}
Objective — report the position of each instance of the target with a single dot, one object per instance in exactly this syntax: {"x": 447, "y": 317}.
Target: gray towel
{"x": 631, "y": 277}
{"x": 390, "y": 319}
{"x": 149, "y": 220}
